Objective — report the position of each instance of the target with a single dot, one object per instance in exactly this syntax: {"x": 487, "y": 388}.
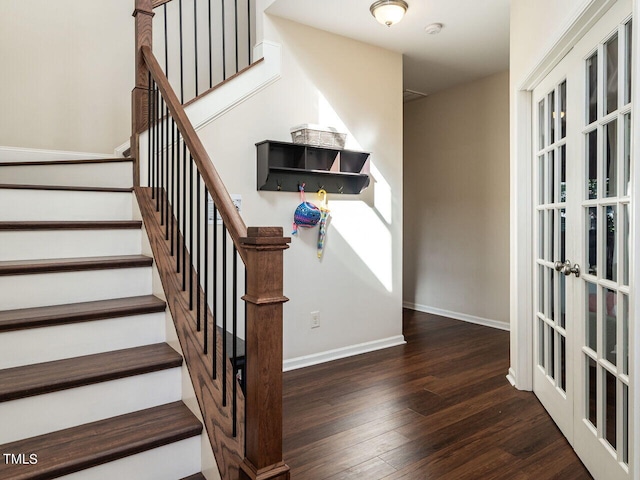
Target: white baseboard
{"x": 19, "y": 154}
{"x": 457, "y": 316}
{"x": 322, "y": 357}
{"x": 511, "y": 376}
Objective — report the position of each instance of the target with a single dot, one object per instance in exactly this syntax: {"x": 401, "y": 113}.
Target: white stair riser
{"x": 169, "y": 462}
{"x": 40, "y": 414}
{"x": 41, "y": 244}
{"x": 46, "y": 344}
{"x": 116, "y": 174}
{"x": 39, "y": 290}
{"x": 31, "y": 205}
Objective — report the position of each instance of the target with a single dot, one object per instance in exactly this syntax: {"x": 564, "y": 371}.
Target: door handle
{"x": 566, "y": 268}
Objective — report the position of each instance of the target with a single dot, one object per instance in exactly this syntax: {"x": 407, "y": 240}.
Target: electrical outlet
{"x": 315, "y": 319}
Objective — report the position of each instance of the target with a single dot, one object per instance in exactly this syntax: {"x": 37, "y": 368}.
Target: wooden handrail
{"x": 159, "y": 3}
{"x": 230, "y": 216}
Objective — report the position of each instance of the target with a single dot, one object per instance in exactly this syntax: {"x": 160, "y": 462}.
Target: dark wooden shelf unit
{"x": 283, "y": 166}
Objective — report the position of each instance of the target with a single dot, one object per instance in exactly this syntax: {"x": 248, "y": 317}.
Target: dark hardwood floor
{"x": 438, "y": 407}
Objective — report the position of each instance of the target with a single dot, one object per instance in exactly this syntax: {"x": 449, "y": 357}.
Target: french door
{"x": 582, "y": 172}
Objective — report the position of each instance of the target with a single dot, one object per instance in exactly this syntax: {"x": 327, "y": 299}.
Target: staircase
{"x": 88, "y": 387}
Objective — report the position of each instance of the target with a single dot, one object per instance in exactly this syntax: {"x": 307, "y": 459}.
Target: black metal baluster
{"x": 206, "y": 270}
{"x": 149, "y": 103}
{"x": 249, "y": 46}
{"x": 190, "y": 231}
{"x": 173, "y": 183}
{"x": 244, "y": 370}
{"x": 225, "y": 357}
{"x": 236, "y": 31}
{"x": 198, "y": 223}
{"x": 224, "y": 42}
{"x": 181, "y": 62}
{"x": 161, "y": 164}
{"x": 166, "y": 172}
{"x": 195, "y": 41}
{"x": 178, "y": 184}
{"x": 184, "y": 216}
{"x": 210, "y": 48}
{"x": 157, "y": 114}
{"x": 234, "y": 347}
{"x": 152, "y": 133}
{"x": 214, "y": 304}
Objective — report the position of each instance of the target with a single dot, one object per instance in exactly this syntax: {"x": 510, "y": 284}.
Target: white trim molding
{"x": 344, "y": 352}
{"x": 486, "y": 322}
{"x": 20, "y": 154}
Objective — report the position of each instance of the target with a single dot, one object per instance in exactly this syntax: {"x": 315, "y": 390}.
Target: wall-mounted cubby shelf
{"x": 283, "y": 166}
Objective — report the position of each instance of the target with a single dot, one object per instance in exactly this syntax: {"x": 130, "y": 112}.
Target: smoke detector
{"x": 433, "y": 29}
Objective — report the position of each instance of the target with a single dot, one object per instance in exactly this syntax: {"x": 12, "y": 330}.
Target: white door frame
{"x": 521, "y": 211}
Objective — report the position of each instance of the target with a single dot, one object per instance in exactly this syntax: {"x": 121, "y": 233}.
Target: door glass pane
{"x": 610, "y": 253}
{"x": 541, "y": 241}
{"x": 626, "y": 246}
{"x": 541, "y": 180}
{"x": 591, "y": 316}
{"x": 592, "y": 88}
{"x": 611, "y": 72}
{"x": 592, "y": 397}
{"x": 552, "y": 310}
{"x": 552, "y": 177}
{"x": 610, "y": 408}
{"x": 628, "y": 65}
{"x": 625, "y": 334}
{"x": 592, "y": 240}
{"x": 563, "y": 237}
{"x": 626, "y": 182}
{"x": 625, "y": 423}
{"x": 551, "y": 102}
{"x": 611, "y": 158}
{"x": 592, "y": 164}
{"x": 563, "y": 109}
{"x": 541, "y": 132}
{"x": 540, "y": 289}
{"x": 541, "y": 355}
{"x": 563, "y": 172}
{"x": 563, "y": 363}
{"x": 552, "y": 231}
{"x": 552, "y": 351}
{"x": 563, "y": 300}
{"x": 610, "y": 321}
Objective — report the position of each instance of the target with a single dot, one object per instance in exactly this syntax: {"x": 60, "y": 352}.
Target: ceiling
{"x": 474, "y": 42}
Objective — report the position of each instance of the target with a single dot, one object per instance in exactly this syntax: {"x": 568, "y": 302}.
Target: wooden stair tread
{"x": 72, "y": 225}
{"x": 78, "y": 312}
{"x": 50, "y": 265}
{"x": 37, "y": 379}
{"x": 66, "y": 188}
{"x": 66, "y": 162}
{"x": 78, "y": 448}
{"x": 195, "y": 476}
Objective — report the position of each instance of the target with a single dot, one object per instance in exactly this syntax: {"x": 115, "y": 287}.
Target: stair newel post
{"x": 264, "y": 300}
{"x": 143, "y": 15}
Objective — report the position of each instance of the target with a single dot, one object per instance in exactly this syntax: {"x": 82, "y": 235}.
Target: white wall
{"x": 456, "y": 202}
{"x": 67, "y": 74}
{"x": 357, "y": 287}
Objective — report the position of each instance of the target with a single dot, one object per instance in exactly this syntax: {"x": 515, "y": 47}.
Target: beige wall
{"x": 456, "y": 202}
{"x": 357, "y": 287}
{"x": 67, "y": 74}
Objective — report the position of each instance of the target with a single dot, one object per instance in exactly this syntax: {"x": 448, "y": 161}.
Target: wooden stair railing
{"x": 174, "y": 151}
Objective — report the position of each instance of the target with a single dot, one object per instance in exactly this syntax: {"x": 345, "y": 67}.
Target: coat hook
{"x": 279, "y": 186}
{"x": 340, "y": 189}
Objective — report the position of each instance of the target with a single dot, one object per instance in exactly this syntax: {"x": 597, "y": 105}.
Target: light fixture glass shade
{"x": 388, "y": 12}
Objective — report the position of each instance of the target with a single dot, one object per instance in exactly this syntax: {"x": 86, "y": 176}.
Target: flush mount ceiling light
{"x": 388, "y": 12}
